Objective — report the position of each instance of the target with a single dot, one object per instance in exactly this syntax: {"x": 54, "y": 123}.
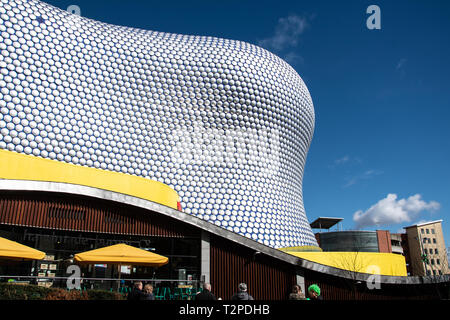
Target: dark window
{"x": 432, "y": 231}
{"x": 438, "y": 262}
{"x": 428, "y": 231}
{"x": 422, "y": 231}
{"x": 434, "y": 240}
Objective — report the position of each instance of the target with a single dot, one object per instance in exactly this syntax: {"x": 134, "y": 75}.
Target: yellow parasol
{"x": 12, "y": 250}
{"x": 121, "y": 254}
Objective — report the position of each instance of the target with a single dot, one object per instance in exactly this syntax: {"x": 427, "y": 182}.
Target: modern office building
{"x": 354, "y": 240}
{"x": 427, "y": 254}
{"x": 422, "y": 245}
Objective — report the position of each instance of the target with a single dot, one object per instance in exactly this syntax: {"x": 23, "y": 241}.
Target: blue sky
{"x": 381, "y": 146}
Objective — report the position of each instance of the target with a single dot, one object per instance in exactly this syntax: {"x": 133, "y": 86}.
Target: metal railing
{"x": 163, "y": 289}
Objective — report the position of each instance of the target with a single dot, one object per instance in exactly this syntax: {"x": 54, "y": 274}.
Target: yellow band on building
{"x": 16, "y": 166}
{"x": 388, "y": 264}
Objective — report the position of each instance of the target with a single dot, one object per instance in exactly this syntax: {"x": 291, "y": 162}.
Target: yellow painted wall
{"x": 17, "y": 166}
{"x": 388, "y": 264}
{"x": 302, "y": 248}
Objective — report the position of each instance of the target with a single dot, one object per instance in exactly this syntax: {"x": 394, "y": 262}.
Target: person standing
{"x": 242, "y": 293}
{"x": 136, "y": 292}
{"x": 148, "y": 293}
{"x": 297, "y": 293}
{"x": 206, "y": 294}
{"x": 314, "y": 292}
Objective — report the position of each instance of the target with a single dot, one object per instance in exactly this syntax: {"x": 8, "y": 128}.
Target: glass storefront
{"x": 60, "y": 246}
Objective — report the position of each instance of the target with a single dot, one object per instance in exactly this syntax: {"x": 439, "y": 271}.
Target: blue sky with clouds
{"x": 381, "y": 148}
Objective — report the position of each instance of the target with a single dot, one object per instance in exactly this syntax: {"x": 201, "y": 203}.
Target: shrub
{"x": 61, "y": 294}
{"x": 22, "y": 292}
{"x": 34, "y": 292}
{"x": 104, "y": 295}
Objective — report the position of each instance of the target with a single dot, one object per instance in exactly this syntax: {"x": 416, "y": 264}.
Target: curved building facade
{"x": 225, "y": 123}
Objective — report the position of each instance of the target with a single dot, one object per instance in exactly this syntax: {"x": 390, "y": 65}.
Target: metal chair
{"x": 160, "y": 293}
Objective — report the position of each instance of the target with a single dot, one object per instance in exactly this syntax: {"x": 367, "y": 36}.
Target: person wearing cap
{"x": 242, "y": 293}
{"x": 314, "y": 292}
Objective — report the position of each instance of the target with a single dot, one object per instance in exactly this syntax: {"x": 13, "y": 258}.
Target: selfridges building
{"x": 225, "y": 123}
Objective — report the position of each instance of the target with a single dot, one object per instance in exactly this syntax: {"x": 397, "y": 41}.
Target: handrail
{"x": 102, "y": 279}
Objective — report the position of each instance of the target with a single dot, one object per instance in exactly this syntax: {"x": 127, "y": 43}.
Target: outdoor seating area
{"x": 163, "y": 293}
{"x": 115, "y": 255}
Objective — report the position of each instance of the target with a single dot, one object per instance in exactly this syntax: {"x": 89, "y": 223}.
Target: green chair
{"x": 156, "y": 293}
{"x": 185, "y": 293}
{"x": 170, "y": 294}
{"x": 193, "y": 293}
{"x": 161, "y": 294}
{"x": 177, "y": 293}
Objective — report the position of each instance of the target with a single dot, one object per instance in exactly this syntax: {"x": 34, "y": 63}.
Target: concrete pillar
{"x": 205, "y": 257}
{"x": 300, "y": 279}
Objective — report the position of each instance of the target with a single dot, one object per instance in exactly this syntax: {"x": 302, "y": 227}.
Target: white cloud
{"x": 293, "y": 58}
{"x": 287, "y": 33}
{"x": 401, "y": 64}
{"x": 364, "y": 176}
{"x": 342, "y": 160}
{"x": 345, "y": 160}
{"x": 392, "y": 211}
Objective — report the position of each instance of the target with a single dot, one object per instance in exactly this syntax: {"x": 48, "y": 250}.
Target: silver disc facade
{"x": 225, "y": 123}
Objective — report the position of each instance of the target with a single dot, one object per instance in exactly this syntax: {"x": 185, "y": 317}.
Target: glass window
{"x": 436, "y": 251}
{"x": 422, "y": 231}
{"x": 424, "y": 240}
{"x": 434, "y": 240}
{"x": 432, "y": 231}
{"x": 428, "y": 231}
{"x": 432, "y": 262}
{"x": 438, "y": 262}
{"x": 425, "y": 250}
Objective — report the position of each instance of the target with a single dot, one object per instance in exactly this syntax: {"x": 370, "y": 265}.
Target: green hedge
{"x": 33, "y": 292}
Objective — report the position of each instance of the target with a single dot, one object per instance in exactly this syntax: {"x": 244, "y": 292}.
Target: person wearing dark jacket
{"x": 314, "y": 292}
{"x": 242, "y": 293}
{"x": 206, "y": 294}
{"x": 136, "y": 293}
{"x": 147, "y": 294}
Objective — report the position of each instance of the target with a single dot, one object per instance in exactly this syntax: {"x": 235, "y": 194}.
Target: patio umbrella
{"x": 121, "y": 254}
{"x": 11, "y": 250}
